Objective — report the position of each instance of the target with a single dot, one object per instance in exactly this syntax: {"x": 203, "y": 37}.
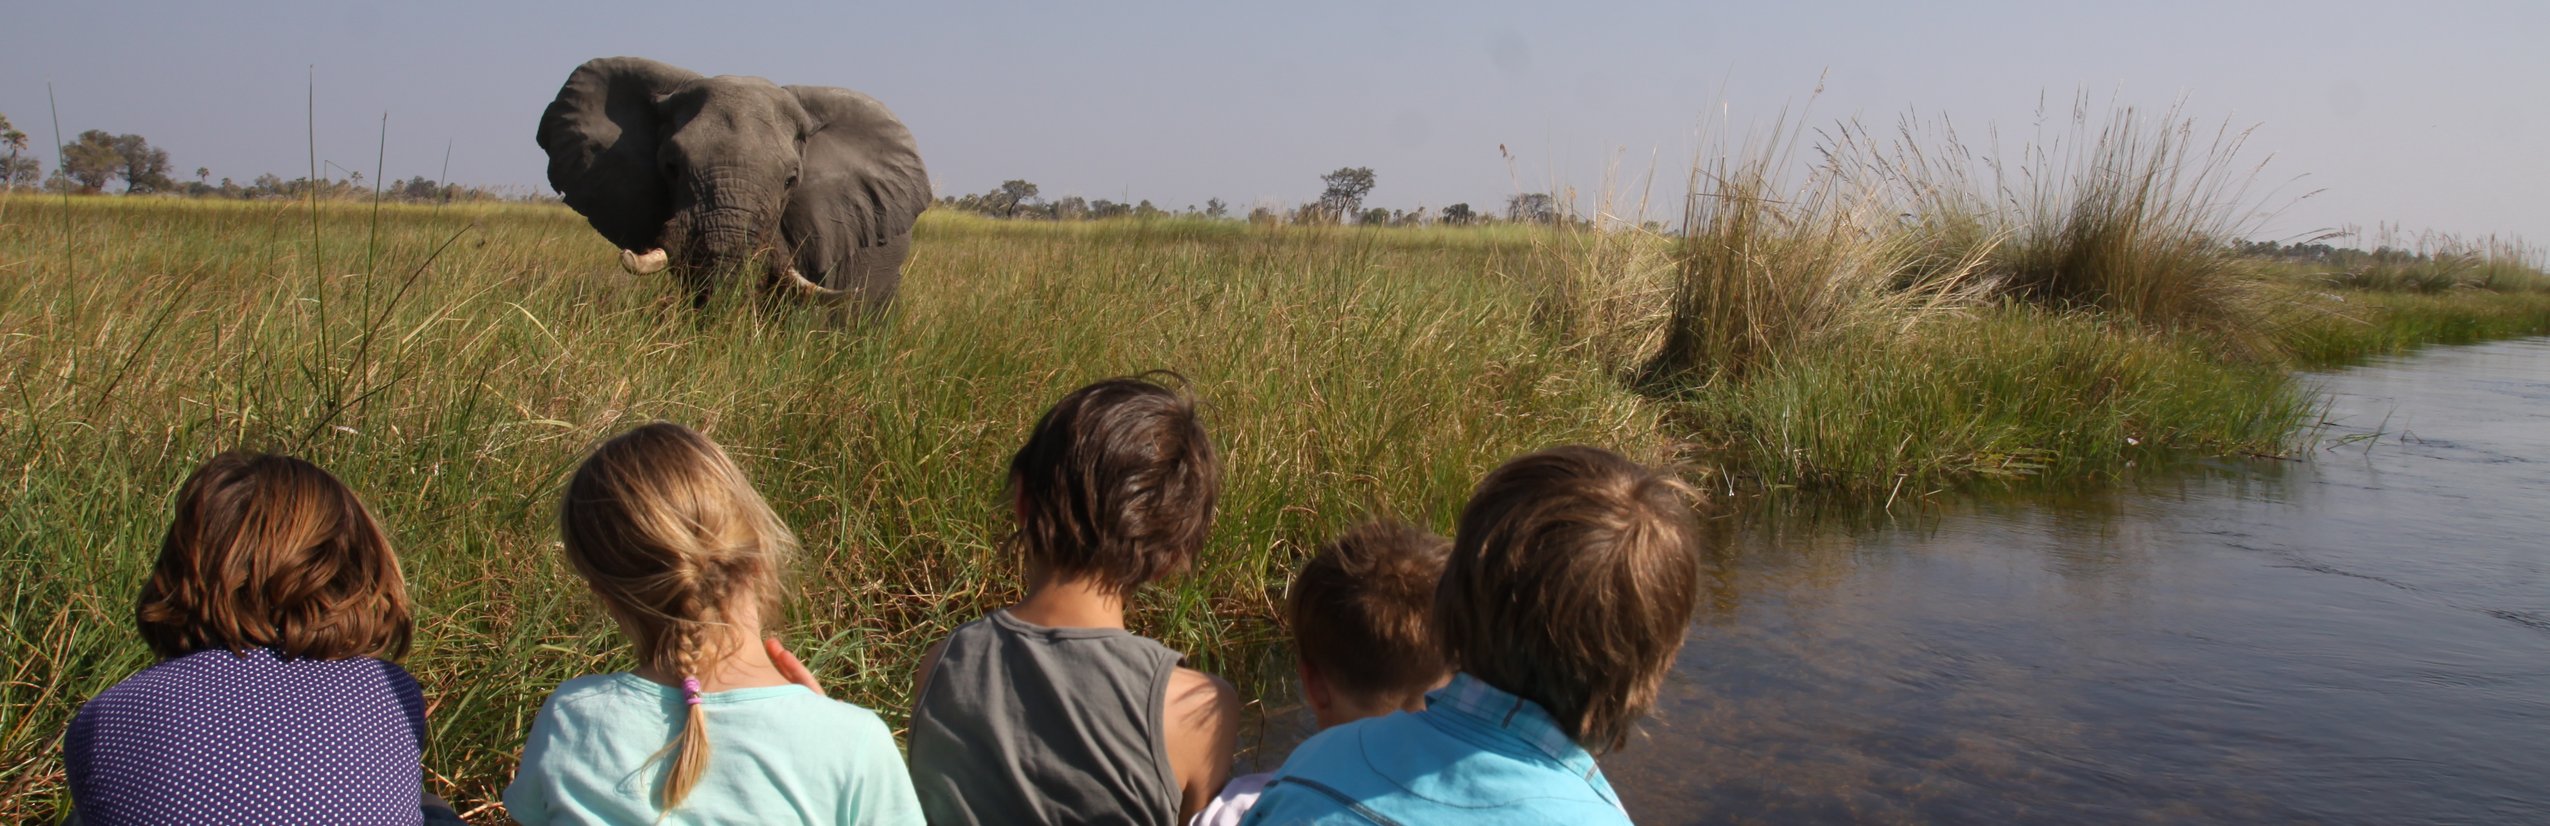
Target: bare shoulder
{"x": 1200, "y": 701}
{"x": 1203, "y": 722}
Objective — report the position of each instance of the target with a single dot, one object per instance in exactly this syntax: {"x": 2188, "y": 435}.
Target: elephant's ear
{"x": 601, "y": 133}
{"x": 861, "y": 172}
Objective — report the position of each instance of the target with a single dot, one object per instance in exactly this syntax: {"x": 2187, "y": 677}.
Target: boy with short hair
{"x": 1049, "y": 711}
{"x": 1571, "y": 579}
{"x": 1362, "y": 636}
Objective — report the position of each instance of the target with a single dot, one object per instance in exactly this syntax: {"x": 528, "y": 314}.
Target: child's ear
{"x": 1316, "y": 691}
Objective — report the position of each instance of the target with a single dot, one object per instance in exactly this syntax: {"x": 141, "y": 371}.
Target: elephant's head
{"x": 706, "y": 174}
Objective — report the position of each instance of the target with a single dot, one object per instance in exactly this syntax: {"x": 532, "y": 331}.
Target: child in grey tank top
{"x": 1049, "y": 711}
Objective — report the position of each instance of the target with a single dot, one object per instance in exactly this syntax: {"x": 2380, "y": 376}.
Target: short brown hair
{"x": 270, "y": 551}
{"x": 1571, "y": 580}
{"x": 1361, "y": 610}
{"x": 1116, "y": 482}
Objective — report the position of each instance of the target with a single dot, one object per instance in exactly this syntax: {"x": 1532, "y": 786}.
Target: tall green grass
{"x": 1346, "y": 374}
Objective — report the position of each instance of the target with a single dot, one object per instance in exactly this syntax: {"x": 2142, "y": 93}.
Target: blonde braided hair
{"x": 669, "y": 532}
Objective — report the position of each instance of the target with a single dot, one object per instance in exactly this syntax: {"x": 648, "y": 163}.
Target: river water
{"x": 2360, "y": 635}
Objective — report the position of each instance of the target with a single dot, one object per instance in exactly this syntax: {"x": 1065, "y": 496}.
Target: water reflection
{"x": 2340, "y": 639}
{"x": 2359, "y": 636}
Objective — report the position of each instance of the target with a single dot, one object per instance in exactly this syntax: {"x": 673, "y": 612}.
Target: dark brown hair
{"x": 666, "y": 528}
{"x": 1361, "y": 610}
{"x": 269, "y": 551}
{"x": 1116, "y": 482}
{"x": 1571, "y": 580}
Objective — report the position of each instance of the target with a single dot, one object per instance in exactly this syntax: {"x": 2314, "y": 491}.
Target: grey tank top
{"x": 1020, "y": 723}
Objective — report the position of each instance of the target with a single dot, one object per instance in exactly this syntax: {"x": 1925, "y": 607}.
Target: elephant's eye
{"x": 792, "y": 180}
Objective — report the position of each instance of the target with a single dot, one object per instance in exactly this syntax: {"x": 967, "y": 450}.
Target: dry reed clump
{"x": 1763, "y": 271}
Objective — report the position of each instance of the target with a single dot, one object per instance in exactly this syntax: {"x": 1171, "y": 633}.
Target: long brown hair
{"x": 269, "y": 551}
{"x": 1573, "y": 576}
{"x": 668, "y": 530}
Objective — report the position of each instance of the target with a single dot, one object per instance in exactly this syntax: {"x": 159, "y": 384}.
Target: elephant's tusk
{"x": 649, "y": 263}
{"x": 798, "y": 282}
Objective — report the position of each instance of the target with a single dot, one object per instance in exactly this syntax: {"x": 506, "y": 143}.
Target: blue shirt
{"x": 777, "y": 754}
{"x": 219, "y": 737}
{"x": 1476, "y": 754}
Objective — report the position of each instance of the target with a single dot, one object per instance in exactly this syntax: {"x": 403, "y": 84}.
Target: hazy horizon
{"x": 2414, "y": 118}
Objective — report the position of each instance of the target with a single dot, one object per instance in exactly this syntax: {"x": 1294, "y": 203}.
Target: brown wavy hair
{"x": 269, "y": 551}
{"x": 1361, "y": 610}
{"x": 1573, "y": 576}
{"x": 1117, "y": 482}
{"x": 667, "y": 529}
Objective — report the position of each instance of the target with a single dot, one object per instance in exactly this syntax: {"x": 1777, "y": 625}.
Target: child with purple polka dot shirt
{"x": 275, "y": 607}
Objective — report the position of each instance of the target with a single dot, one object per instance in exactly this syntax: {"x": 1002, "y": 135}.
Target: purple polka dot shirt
{"x": 218, "y": 737}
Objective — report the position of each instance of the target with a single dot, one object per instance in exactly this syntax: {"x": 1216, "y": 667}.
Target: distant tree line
{"x": 1340, "y": 200}
{"x": 2320, "y": 252}
{"x": 99, "y": 161}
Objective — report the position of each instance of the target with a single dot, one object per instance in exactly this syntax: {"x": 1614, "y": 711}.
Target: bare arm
{"x": 1203, "y": 717}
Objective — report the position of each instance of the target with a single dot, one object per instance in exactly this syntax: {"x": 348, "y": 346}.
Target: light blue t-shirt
{"x": 780, "y": 754}
{"x": 1475, "y": 755}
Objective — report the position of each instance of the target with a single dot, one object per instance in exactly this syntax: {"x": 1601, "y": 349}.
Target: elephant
{"x": 703, "y": 175}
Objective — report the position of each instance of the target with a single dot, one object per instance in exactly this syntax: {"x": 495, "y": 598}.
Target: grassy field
{"x": 452, "y": 364}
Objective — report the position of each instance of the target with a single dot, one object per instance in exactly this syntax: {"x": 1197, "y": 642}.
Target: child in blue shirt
{"x": 1362, "y": 640}
{"x": 686, "y": 556}
{"x": 1572, "y": 577}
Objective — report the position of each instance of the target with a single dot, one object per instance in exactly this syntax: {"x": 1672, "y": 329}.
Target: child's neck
{"x": 746, "y": 664}
{"x": 1057, "y": 601}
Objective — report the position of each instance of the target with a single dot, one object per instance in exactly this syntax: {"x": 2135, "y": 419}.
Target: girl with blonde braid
{"x": 685, "y": 555}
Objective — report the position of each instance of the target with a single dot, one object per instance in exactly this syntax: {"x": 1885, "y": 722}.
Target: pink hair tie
{"x": 690, "y": 690}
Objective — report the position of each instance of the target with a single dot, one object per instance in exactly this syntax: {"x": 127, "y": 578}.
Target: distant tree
{"x": 1532, "y": 207}
{"x": 1458, "y": 214}
{"x": 15, "y": 170}
{"x": 1263, "y": 215}
{"x": 145, "y": 166}
{"x": 203, "y": 175}
{"x": 419, "y": 190}
{"x": 1346, "y": 190}
{"x": 1071, "y": 208}
{"x": 10, "y": 138}
{"x": 1010, "y": 195}
{"x": 1214, "y": 208}
{"x": 1103, "y": 209}
{"x": 91, "y": 162}
{"x": 1146, "y": 210}
{"x": 1375, "y": 216}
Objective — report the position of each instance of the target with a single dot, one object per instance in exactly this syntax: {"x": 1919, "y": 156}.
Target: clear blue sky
{"x": 2418, "y": 113}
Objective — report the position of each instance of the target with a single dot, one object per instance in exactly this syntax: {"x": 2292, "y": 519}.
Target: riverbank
{"x": 452, "y": 363}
